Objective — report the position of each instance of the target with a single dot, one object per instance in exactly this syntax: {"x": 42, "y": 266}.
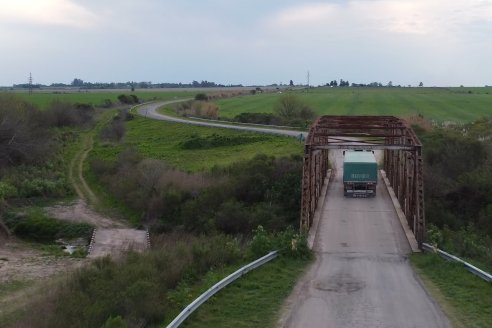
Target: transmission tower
{"x": 30, "y": 83}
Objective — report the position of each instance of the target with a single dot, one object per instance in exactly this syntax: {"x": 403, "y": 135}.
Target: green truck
{"x": 360, "y": 173}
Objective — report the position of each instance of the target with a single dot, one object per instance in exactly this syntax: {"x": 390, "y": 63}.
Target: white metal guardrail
{"x": 473, "y": 269}
{"x": 218, "y": 286}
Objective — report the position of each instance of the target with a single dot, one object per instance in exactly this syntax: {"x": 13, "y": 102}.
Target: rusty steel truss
{"x": 402, "y": 161}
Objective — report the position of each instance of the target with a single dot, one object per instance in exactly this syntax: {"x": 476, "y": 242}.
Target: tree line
{"x": 79, "y": 83}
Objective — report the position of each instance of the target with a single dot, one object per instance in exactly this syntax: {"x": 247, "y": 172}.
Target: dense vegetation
{"x": 458, "y": 194}
{"x": 147, "y": 289}
{"x": 33, "y": 167}
{"x": 264, "y": 190}
{"x": 31, "y": 145}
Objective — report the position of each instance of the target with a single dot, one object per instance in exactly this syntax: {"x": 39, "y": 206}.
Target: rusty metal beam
{"x": 364, "y": 147}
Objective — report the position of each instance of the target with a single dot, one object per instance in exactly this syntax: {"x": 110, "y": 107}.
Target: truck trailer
{"x": 360, "y": 173}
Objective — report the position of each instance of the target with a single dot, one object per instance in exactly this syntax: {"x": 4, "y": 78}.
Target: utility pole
{"x": 30, "y": 83}
{"x": 307, "y": 81}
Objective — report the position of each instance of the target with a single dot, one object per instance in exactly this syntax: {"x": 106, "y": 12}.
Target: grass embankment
{"x": 253, "y": 300}
{"x": 464, "y": 298}
{"x": 166, "y": 141}
{"x": 439, "y": 104}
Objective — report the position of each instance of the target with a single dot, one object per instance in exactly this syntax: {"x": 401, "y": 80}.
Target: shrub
{"x": 287, "y": 242}
{"x": 116, "y": 322}
{"x": 35, "y": 225}
{"x": 293, "y": 111}
{"x": 128, "y": 99}
{"x": 201, "y": 97}
{"x": 107, "y": 103}
{"x": 61, "y": 113}
{"x": 215, "y": 140}
{"x": 25, "y": 137}
{"x": 261, "y": 243}
{"x": 7, "y": 190}
{"x": 258, "y": 118}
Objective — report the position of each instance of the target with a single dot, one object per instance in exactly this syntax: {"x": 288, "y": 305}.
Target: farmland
{"x": 98, "y": 97}
{"x": 166, "y": 141}
{"x": 438, "y": 104}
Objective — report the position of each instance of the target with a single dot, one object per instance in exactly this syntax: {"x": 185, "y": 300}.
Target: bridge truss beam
{"x": 402, "y": 161}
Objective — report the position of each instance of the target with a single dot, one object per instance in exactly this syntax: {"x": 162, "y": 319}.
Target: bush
{"x": 116, "y": 322}
{"x": 35, "y": 225}
{"x": 287, "y": 242}
{"x": 293, "y": 111}
{"x": 25, "y": 137}
{"x": 128, "y": 99}
{"x": 107, "y": 103}
{"x": 215, "y": 140}
{"x": 201, "y": 97}
{"x": 7, "y": 190}
{"x": 62, "y": 114}
{"x": 258, "y": 118}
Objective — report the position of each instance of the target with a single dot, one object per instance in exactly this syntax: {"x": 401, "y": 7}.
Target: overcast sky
{"x": 438, "y": 42}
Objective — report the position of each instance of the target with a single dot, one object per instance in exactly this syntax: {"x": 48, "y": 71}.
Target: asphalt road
{"x": 150, "y": 111}
{"x": 361, "y": 277}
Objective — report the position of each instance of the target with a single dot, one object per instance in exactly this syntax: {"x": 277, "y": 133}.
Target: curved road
{"x": 361, "y": 277}
{"x": 150, "y": 111}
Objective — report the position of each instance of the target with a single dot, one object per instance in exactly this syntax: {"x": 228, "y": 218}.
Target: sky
{"x": 253, "y": 42}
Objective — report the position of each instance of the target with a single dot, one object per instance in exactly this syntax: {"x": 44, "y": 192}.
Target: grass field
{"x": 163, "y": 140}
{"x": 464, "y": 298}
{"x": 439, "y": 104}
{"x": 97, "y": 97}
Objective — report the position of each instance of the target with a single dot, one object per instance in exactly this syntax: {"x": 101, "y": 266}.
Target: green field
{"x": 97, "y": 97}
{"x": 439, "y": 104}
{"x": 163, "y": 140}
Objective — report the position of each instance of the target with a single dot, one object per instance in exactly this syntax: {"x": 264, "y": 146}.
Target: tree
{"x": 24, "y": 133}
{"x": 421, "y": 84}
{"x": 291, "y": 83}
{"x": 390, "y": 84}
{"x": 77, "y": 82}
{"x": 291, "y": 109}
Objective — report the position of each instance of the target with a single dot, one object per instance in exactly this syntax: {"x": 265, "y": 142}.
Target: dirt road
{"x": 361, "y": 277}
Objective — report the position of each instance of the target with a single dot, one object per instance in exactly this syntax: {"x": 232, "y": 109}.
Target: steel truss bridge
{"x": 402, "y": 161}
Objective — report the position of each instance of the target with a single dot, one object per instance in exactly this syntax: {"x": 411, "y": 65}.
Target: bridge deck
{"x": 361, "y": 277}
